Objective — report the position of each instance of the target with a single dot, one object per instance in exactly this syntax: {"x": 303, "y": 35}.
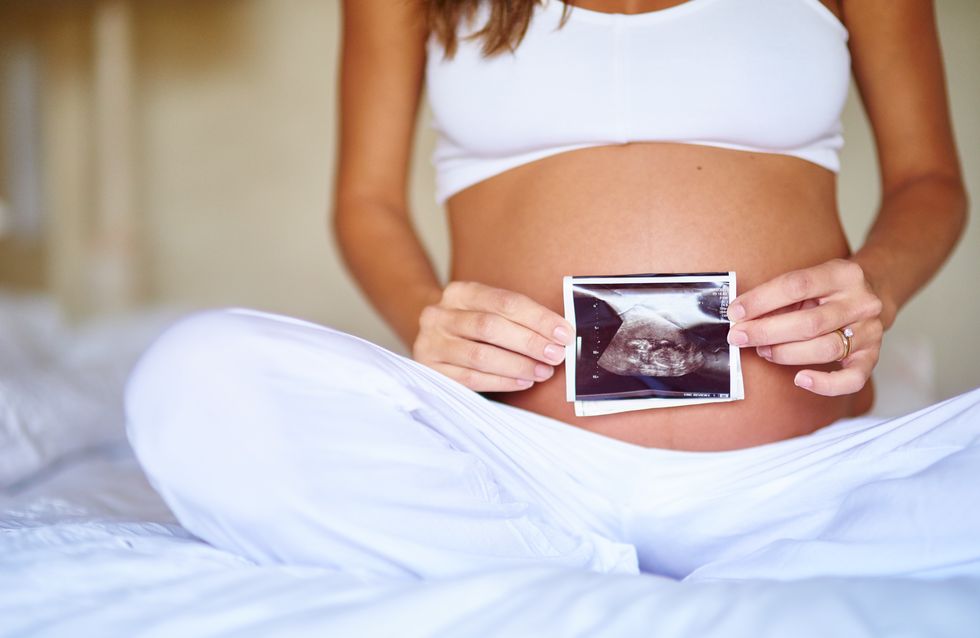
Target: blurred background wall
{"x": 181, "y": 152}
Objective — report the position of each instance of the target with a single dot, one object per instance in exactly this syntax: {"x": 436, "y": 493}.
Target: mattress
{"x": 88, "y": 549}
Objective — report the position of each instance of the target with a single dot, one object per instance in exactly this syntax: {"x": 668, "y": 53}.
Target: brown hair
{"x": 504, "y": 30}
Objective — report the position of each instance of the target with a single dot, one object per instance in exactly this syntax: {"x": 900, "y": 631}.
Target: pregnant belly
{"x": 658, "y": 208}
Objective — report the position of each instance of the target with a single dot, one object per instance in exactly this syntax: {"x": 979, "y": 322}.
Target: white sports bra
{"x": 760, "y": 75}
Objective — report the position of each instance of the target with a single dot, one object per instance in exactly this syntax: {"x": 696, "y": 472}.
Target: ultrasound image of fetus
{"x": 648, "y": 343}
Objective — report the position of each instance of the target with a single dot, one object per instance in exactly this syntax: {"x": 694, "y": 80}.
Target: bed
{"x": 88, "y": 549}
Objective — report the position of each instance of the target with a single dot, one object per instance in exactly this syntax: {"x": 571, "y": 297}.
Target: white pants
{"x": 285, "y": 441}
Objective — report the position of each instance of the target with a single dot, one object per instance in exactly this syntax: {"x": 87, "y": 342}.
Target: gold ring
{"x": 845, "y": 336}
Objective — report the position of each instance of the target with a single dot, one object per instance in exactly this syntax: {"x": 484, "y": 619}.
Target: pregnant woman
{"x": 608, "y": 137}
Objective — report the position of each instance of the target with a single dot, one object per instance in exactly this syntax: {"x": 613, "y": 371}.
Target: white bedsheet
{"x": 88, "y": 549}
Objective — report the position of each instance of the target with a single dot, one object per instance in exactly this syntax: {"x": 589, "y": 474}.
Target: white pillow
{"x": 60, "y": 387}
{"x": 28, "y": 326}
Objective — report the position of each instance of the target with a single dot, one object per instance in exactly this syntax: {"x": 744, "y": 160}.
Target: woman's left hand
{"x": 792, "y": 320}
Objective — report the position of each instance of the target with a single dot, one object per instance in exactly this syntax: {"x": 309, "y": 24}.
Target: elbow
{"x": 946, "y": 195}
{"x": 343, "y": 218}
{"x": 340, "y": 214}
{"x": 335, "y": 223}
{"x": 356, "y": 221}
{"x": 960, "y": 208}
{"x": 344, "y": 230}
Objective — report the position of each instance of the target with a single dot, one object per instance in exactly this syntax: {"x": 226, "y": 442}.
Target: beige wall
{"x": 238, "y": 134}
{"x": 235, "y": 135}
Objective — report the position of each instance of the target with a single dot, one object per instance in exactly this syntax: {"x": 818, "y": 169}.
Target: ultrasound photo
{"x": 659, "y": 338}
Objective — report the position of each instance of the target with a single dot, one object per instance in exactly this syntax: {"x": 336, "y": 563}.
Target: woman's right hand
{"x": 490, "y": 339}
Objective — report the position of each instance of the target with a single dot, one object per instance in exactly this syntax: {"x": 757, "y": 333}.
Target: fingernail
{"x": 554, "y": 353}
{"x": 737, "y": 338}
{"x": 735, "y": 311}
{"x": 524, "y": 383}
{"x": 542, "y": 372}
{"x": 803, "y": 381}
{"x": 562, "y": 335}
{"x": 764, "y": 351}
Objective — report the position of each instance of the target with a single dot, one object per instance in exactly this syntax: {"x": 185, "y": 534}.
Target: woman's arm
{"x": 382, "y": 66}
{"x": 898, "y": 68}
{"x": 899, "y": 71}
{"x": 486, "y": 338}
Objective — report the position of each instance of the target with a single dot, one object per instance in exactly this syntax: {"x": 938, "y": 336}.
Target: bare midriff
{"x": 659, "y": 208}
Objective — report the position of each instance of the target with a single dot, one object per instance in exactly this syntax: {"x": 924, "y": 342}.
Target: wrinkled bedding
{"x": 88, "y": 549}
